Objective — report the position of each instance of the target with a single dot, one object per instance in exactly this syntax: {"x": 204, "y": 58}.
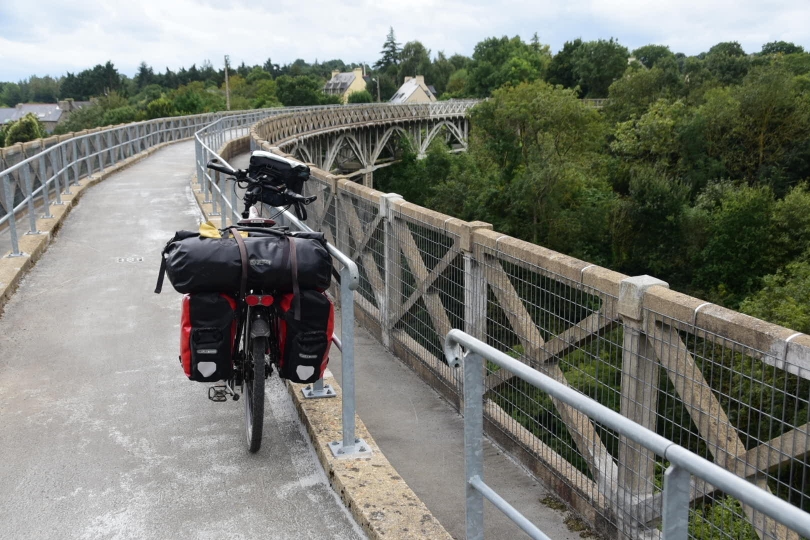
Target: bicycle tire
{"x": 254, "y": 393}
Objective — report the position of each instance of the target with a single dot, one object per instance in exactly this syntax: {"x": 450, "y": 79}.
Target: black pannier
{"x": 195, "y": 264}
{"x": 207, "y": 336}
{"x": 306, "y": 322}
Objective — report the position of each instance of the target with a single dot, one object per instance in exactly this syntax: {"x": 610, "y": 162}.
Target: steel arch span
{"x": 354, "y": 140}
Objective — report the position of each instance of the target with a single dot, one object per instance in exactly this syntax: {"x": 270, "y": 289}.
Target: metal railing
{"x": 683, "y": 464}
{"x": 214, "y": 187}
{"x": 30, "y": 184}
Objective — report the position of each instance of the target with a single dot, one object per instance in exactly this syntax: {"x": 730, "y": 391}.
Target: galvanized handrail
{"x": 73, "y": 159}
{"x": 676, "y": 478}
{"x": 350, "y": 446}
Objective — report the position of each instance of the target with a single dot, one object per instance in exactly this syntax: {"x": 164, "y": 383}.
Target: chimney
{"x": 359, "y": 70}
{"x": 408, "y": 79}
{"x": 335, "y": 72}
{"x": 420, "y": 79}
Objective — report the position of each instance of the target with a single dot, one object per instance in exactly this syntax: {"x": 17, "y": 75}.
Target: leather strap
{"x": 296, "y": 289}
{"x": 161, "y": 274}
{"x": 244, "y": 256}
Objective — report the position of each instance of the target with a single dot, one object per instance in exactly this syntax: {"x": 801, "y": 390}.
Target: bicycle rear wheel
{"x": 254, "y": 393}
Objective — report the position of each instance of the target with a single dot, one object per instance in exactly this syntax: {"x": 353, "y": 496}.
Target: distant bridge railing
{"x": 35, "y": 175}
{"x": 731, "y": 388}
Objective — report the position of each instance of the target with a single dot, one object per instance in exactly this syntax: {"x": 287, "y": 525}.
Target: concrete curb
{"x": 13, "y": 269}
{"x": 378, "y": 498}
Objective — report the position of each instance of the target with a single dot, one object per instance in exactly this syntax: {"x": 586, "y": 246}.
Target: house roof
{"x": 7, "y": 115}
{"x": 46, "y": 112}
{"x": 339, "y": 83}
{"x": 405, "y": 91}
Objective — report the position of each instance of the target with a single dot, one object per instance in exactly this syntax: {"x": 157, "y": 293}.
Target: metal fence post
{"x": 63, "y": 169}
{"x": 12, "y": 221}
{"x": 99, "y": 152}
{"x": 214, "y": 182}
{"x": 392, "y": 299}
{"x": 76, "y": 166}
{"x": 473, "y": 443}
{"x": 29, "y": 188}
{"x": 221, "y": 182}
{"x": 111, "y": 148}
{"x": 676, "y": 503}
{"x": 88, "y": 161}
{"x": 43, "y": 177}
{"x": 347, "y": 356}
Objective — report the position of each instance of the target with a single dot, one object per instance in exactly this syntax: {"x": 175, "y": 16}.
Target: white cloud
{"x": 47, "y": 37}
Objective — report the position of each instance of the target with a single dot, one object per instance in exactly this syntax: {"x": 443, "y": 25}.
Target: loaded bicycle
{"x": 254, "y": 292}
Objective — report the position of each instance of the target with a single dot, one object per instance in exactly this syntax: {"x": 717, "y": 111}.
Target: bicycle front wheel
{"x": 254, "y": 393}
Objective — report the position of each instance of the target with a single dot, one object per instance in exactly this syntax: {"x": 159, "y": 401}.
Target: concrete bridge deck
{"x": 104, "y": 438}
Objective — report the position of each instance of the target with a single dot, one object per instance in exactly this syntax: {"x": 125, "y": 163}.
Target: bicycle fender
{"x": 259, "y": 328}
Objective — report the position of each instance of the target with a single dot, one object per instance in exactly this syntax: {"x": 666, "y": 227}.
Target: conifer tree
{"x": 390, "y": 52}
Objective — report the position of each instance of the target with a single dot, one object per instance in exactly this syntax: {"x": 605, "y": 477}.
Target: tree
{"x": 271, "y": 68}
{"x": 540, "y": 143}
{"x": 649, "y": 55}
{"x": 43, "y": 89}
{"x": 736, "y": 254}
{"x": 414, "y": 59}
{"x": 363, "y": 96}
{"x": 440, "y": 72}
{"x": 648, "y": 226}
{"x": 144, "y": 77}
{"x": 597, "y": 64}
{"x": 27, "y": 128}
{"x": 784, "y": 298}
{"x": 781, "y": 47}
{"x": 304, "y": 90}
{"x": 728, "y": 62}
{"x": 390, "y": 52}
{"x": 561, "y": 69}
{"x": 500, "y": 61}
{"x": 266, "y": 94}
{"x": 457, "y": 84}
{"x": 632, "y": 94}
{"x": 12, "y": 94}
{"x": 160, "y": 108}
{"x": 92, "y": 82}
{"x": 774, "y": 120}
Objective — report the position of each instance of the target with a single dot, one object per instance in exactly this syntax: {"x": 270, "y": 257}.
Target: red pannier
{"x": 207, "y": 333}
{"x": 306, "y": 323}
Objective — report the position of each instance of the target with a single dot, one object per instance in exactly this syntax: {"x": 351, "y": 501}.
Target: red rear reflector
{"x": 267, "y": 300}
{"x": 252, "y": 300}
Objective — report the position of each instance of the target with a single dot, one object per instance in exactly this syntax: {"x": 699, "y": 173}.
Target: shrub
{"x": 27, "y": 128}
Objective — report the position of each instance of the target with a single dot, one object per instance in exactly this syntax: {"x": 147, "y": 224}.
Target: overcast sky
{"x": 49, "y": 37}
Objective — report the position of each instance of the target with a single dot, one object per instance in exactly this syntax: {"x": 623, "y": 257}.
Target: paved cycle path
{"x": 101, "y": 434}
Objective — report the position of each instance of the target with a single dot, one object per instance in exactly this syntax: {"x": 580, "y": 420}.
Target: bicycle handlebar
{"x": 215, "y": 165}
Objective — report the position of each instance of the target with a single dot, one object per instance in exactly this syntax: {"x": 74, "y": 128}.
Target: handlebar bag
{"x": 196, "y": 264}
{"x": 277, "y": 170}
{"x": 207, "y": 336}
{"x": 304, "y": 342}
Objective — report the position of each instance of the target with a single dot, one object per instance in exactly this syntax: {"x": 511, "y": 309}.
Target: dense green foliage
{"x": 27, "y": 128}
{"x": 695, "y": 171}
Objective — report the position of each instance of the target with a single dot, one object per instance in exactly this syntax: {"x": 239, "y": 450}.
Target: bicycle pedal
{"x": 268, "y": 370}
{"x": 217, "y": 393}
